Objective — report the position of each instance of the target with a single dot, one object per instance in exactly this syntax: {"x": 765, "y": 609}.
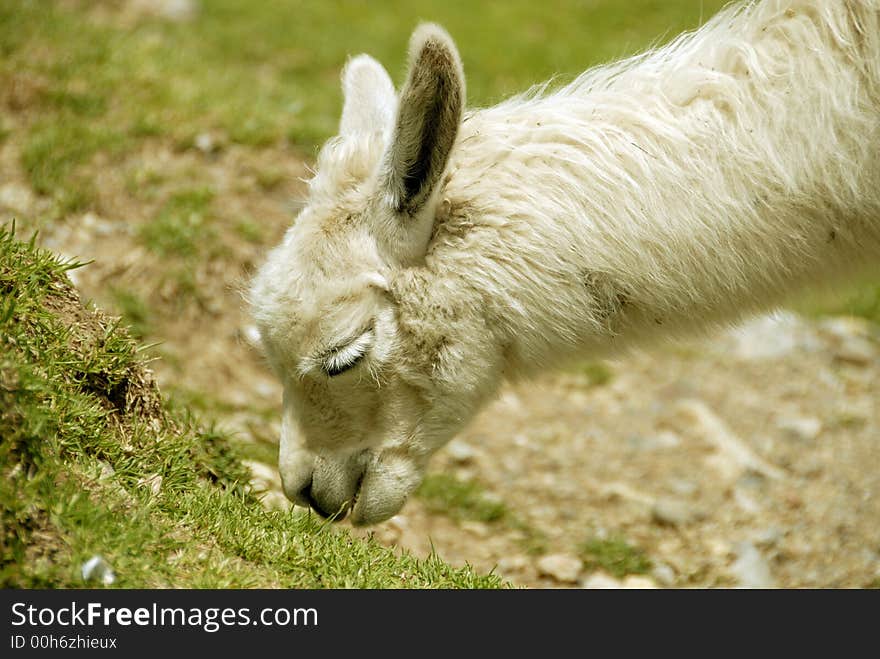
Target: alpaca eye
{"x": 341, "y": 359}
{"x": 333, "y": 367}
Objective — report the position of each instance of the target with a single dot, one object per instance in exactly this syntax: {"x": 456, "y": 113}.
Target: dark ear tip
{"x": 431, "y": 36}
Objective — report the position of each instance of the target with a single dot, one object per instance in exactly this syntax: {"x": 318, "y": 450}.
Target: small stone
{"x": 683, "y": 487}
{"x": 718, "y": 547}
{"x": 513, "y": 564}
{"x": 842, "y": 327}
{"x": 620, "y": 490}
{"x": 768, "y": 537}
{"x": 205, "y": 143}
{"x": 663, "y": 574}
{"x": 16, "y": 197}
{"x": 153, "y": 482}
{"x": 98, "y": 570}
{"x": 662, "y": 440}
{"x": 850, "y": 339}
{"x": 460, "y": 452}
{"x": 600, "y": 581}
{"x": 672, "y": 512}
{"x": 263, "y": 474}
{"x": 750, "y": 568}
{"x": 732, "y": 456}
{"x": 511, "y": 401}
{"x": 107, "y": 470}
{"x": 801, "y": 428}
{"x": 266, "y": 389}
{"x": 564, "y": 568}
{"x": 639, "y": 582}
{"x": 855, "y": 350}
{"x": 772, "y": 336}
{"x": 746, "y": 502}
{"x": 475, "y": 528}
{"x": 274, "y": 500}
{"x": 176, "y": 11}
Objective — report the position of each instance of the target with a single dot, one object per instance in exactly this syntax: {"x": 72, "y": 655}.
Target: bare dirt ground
{"x": 751, "y": 458}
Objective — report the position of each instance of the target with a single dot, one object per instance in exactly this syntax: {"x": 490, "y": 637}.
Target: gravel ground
{"x": 749, "y": 459}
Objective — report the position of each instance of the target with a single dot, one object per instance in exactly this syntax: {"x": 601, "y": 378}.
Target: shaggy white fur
{"x": 442, "y": 251}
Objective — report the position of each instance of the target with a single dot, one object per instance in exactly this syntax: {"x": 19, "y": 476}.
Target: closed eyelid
{"x": 346, "y": 355}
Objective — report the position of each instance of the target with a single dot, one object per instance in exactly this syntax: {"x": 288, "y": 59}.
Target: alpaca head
{"x": 366, "y": 351}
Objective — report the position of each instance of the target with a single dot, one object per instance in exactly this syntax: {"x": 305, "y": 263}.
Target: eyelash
{"x": 332, "y": 366}
{"x": 336, "y": 370}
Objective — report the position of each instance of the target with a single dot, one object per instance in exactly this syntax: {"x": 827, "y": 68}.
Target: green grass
{"x": 463, "y": 500}
{"x": 860, "y": 300}
{"x": 614, "y": 555}
{"x": 181, "y": 228}
{"x": 85, "y": 434}
{"x": 134, "y": 311}
{"x": 460, "y": 499}
{"x": 262, "y": 73}
{"x": 595, "y": 374}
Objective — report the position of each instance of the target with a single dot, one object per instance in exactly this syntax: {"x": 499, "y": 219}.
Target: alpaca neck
{"x": 665, "y": 200}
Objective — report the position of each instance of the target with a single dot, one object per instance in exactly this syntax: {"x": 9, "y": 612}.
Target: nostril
{"x": 305, "y": 496}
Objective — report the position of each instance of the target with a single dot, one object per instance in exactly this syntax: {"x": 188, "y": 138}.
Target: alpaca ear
{"x": 370, "y": 102}
{"x": 429, "y": 113}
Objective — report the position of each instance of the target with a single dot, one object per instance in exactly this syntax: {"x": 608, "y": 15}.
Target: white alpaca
{"x": 442, "y": 250}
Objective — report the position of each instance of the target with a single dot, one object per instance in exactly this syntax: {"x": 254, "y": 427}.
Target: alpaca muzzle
{"x": 372, "y": 486}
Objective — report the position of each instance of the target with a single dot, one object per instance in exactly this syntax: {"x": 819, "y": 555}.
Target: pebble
{"x": 773, "y": 336}
{"x": 475, "y": 528}
{"x": 849, "y": 337}
{"x": 768, "y": 537}
{"x": 16, "y": 197}
{"x": 683, "y": 487}
{"x": 718, "y": 547}
{"x": 672, "y": 512}
{"x": 564, "y": 568}
{"x": 732, "y": 457}
{"x": 96, "y": 225}
{"x": 802, "y": 428}
{"x": 266, "y": 389}
{"x": 176, "y": 11}
{"x": 205, "y": 143}
{"x": 663, "y": 574}
{"x": 751, "y": 569}
{"x": 855, "y": 350}
{"x": 251, "y": 334}
{"x": 274, "y": 500}
{"x": 662, "y": 440}
{"x": 620, "y": 490}
{"x": 98, "y": 570}
{"x": 842, "y": 327}
{"x": 153, "y": 483}
{"x": 515, "y": 564}
{"x": 107, "y": 470}
{"x": 601, "y": 581}
{"x": 746, "y": 502}
{"x": 638, "y": 582}
{"x": 267, "y": 482}
{"x": 460, "y": 451}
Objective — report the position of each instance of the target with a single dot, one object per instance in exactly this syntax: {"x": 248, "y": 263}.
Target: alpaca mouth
{"x": 332, "y": 513}
{"x": 334, "y": 516}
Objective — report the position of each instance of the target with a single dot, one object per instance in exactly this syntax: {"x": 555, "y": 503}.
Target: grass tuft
{"x": 460, "y": 499}
{"x": 616, "y": 556}
{"x": 93, "y": 462}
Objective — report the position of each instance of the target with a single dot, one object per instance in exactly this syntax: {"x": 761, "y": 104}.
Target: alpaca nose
{"x": 305, "y": 496}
